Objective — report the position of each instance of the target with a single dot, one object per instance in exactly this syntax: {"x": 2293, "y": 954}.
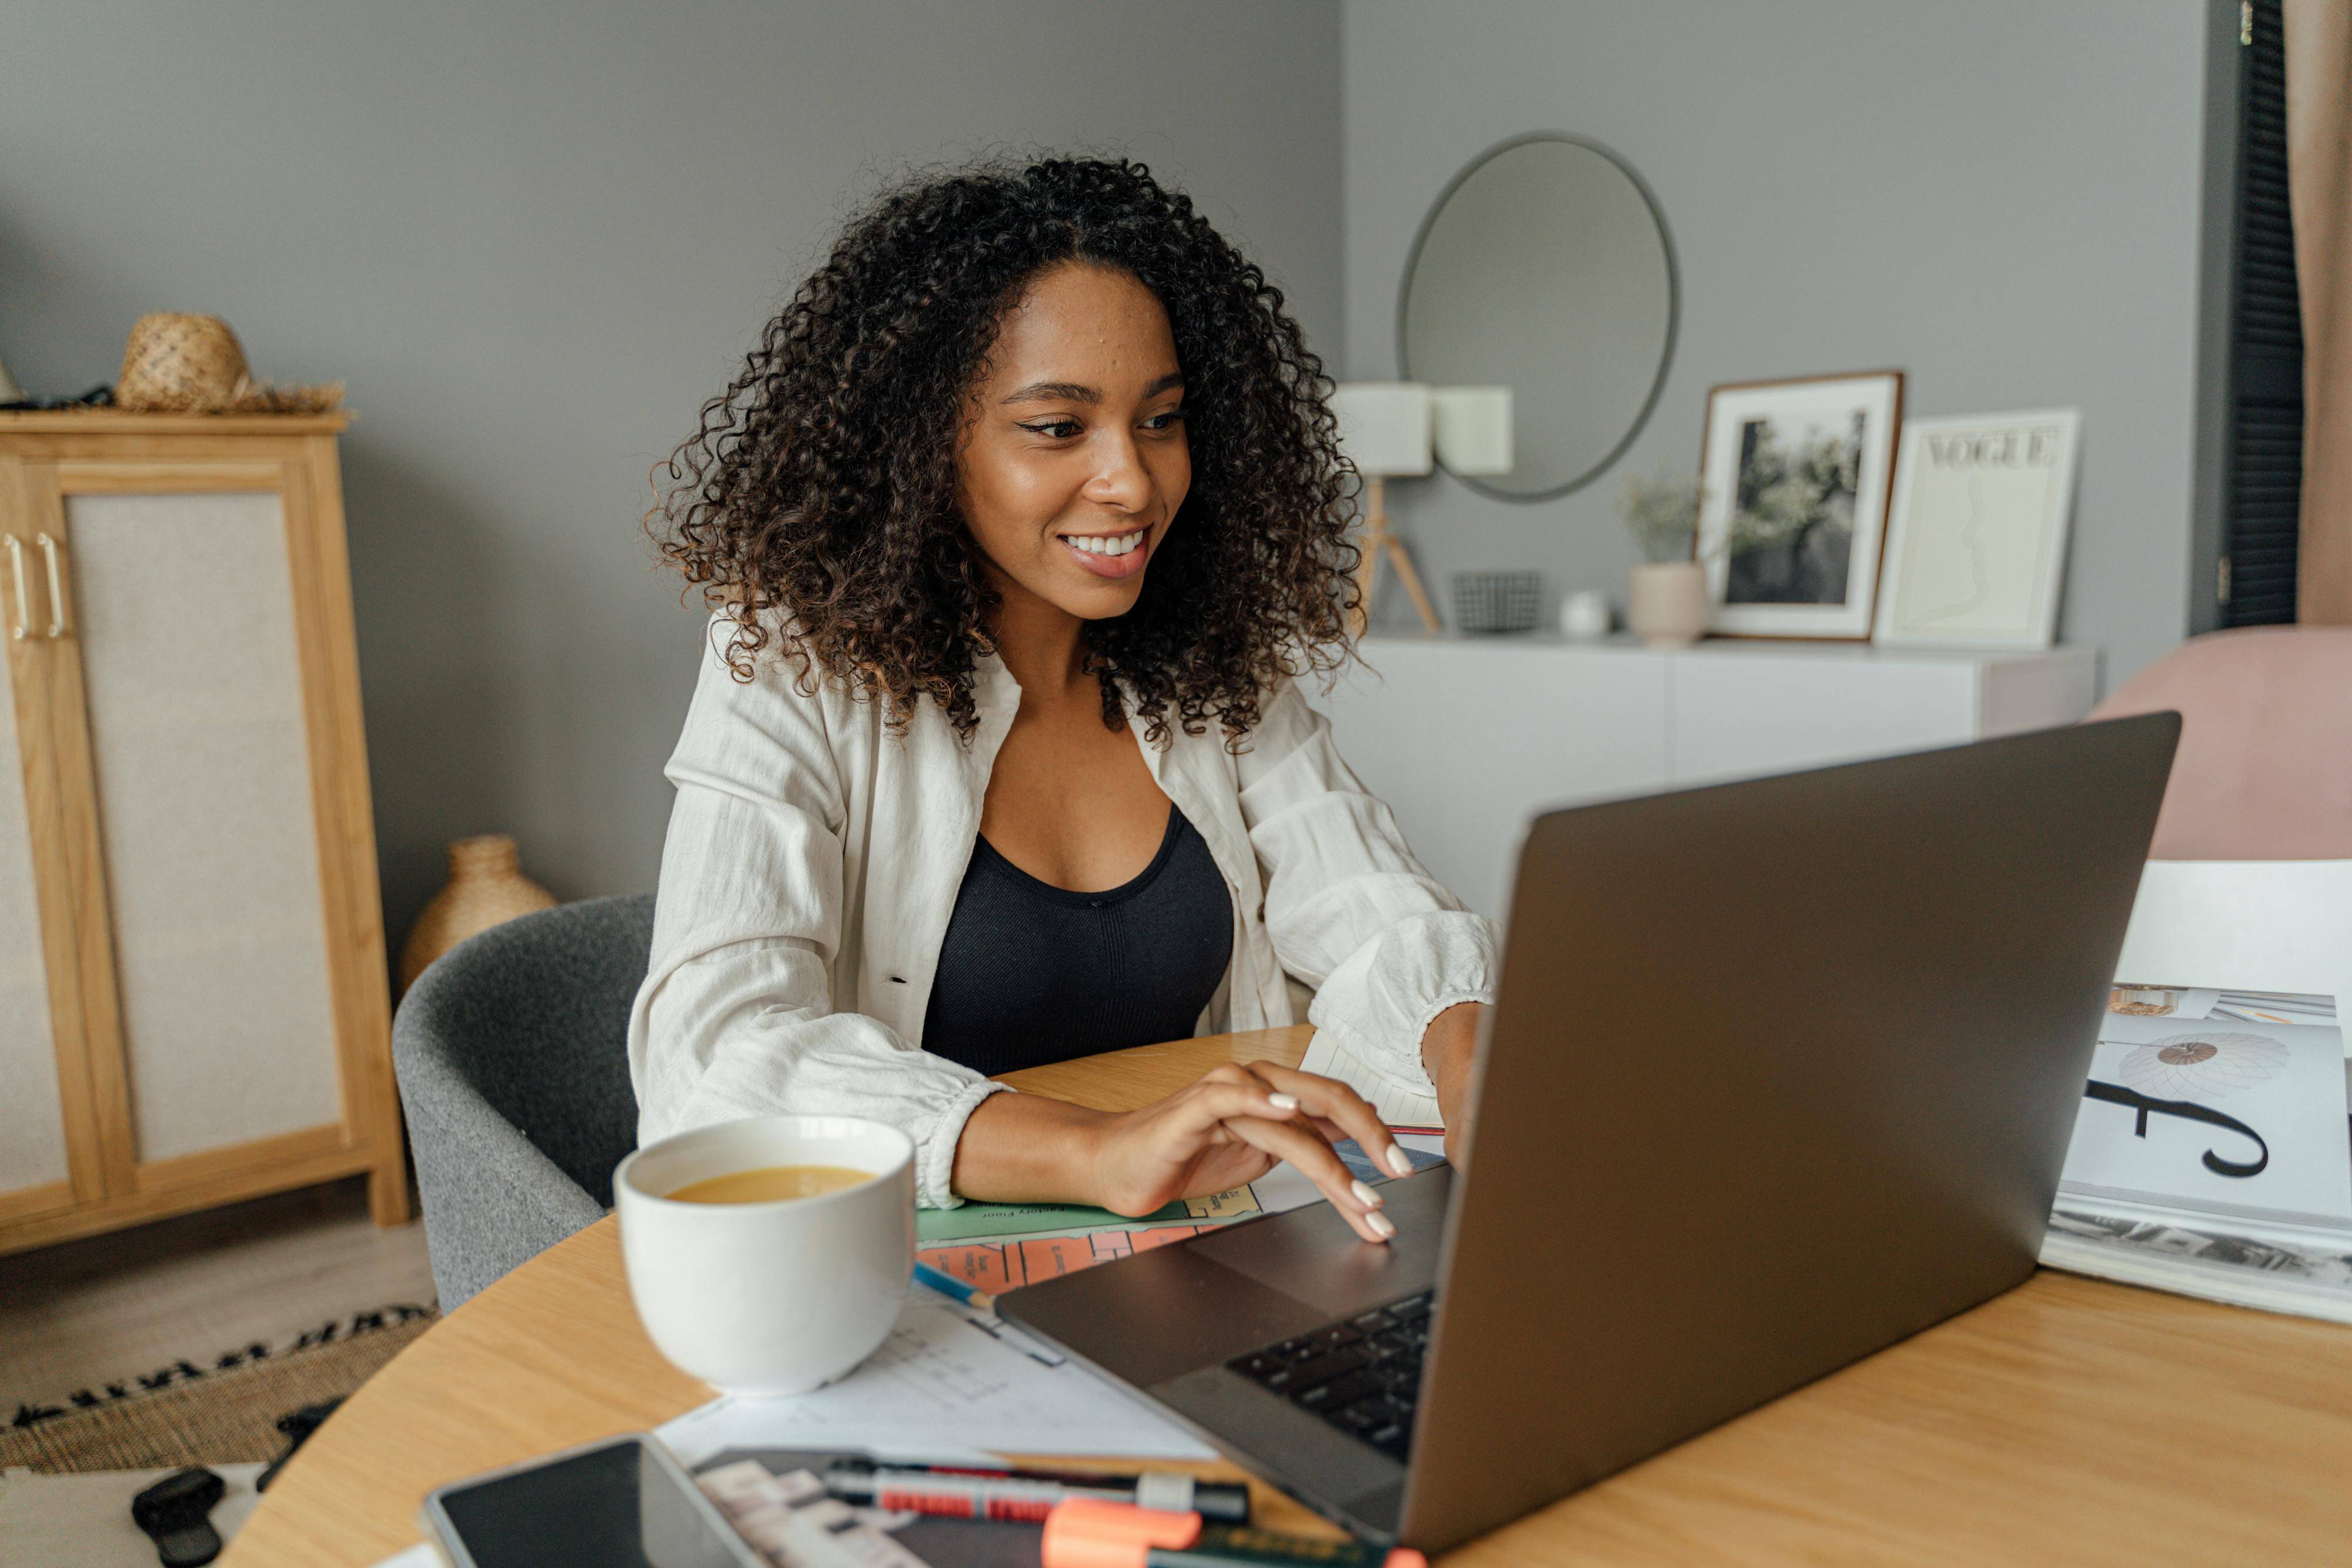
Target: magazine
{"x": 2214, "y": 1152}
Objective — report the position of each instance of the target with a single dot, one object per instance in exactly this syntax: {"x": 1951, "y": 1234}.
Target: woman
{"x": 1017, "y": 527}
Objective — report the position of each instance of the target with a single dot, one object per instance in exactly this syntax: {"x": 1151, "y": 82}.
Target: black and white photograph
{"x": 1796, "y": 480}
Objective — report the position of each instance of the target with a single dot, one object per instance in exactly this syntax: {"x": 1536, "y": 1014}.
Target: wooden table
{"x": 2068, "y": 1421}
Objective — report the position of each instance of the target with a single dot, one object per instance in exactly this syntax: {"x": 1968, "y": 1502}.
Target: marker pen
{"x": 958, "y": 1492}
{"x": 1084, "y": 1534}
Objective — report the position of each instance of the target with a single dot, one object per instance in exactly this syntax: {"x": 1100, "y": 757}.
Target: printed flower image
{"x": 2204, "y": 1066}
{"x": 2143, "y": 1001}
{"x": 1792, "y": 521}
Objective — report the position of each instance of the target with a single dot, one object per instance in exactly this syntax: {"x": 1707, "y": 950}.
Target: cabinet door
{"x": 1743, "y": 711}
{"x": 34, "y": 1175}
{"x": 1467, "y": 739}
{"x": 49, "y": 1158}
{"x": 217, "y": 944}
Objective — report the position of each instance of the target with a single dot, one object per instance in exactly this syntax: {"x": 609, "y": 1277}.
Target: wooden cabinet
{"x": 193, "y": 997}
{"x": 1464, "y": 737}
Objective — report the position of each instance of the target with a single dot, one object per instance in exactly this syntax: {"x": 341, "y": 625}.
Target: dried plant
{"x": 1661, "y": 513}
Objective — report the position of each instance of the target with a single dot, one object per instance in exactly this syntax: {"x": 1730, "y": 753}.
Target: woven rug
{"x": 220, "y": 1416}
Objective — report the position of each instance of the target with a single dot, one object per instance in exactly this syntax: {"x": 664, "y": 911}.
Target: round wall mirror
{"x": 1544, "y": 267}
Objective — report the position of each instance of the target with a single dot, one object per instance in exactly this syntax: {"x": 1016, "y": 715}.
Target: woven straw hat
{"x": 193, "y": 364}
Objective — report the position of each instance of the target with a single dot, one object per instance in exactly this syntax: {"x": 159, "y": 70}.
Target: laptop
{"x": 1779, "y": 1073}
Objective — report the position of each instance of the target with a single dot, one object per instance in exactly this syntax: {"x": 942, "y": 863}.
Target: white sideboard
{"x": 1465, "y": 737}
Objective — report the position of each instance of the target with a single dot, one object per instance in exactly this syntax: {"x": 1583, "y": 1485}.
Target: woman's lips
{"x": 1112, "y": 566}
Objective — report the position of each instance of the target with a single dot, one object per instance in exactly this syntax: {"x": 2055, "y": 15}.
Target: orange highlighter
{"x": 1087, "y": 1532}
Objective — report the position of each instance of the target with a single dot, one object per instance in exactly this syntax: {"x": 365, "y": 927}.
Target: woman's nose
{"x": 1121, "y": 479}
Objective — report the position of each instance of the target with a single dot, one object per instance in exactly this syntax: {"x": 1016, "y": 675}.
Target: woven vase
{"x": 485, "y": 888}
{"x": 181, "y": 363}
{"x": 175, "y": 362}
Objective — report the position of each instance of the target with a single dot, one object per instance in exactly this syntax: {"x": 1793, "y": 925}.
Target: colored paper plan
{"x": 1000, "y": 1219}
{"x": 1006, "y": 1246}
{"x": 1000, "y": 1266}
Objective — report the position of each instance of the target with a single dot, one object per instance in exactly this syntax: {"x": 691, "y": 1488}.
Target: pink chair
{"x": 2264, "y": 770}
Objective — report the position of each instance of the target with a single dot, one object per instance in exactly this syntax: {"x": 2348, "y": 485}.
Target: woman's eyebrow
{"x": 1054, "y": 392}
{"x": 1071, "y": 391}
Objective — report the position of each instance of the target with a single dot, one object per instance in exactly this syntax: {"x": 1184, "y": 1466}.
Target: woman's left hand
{"x": 1234, "y": 1124}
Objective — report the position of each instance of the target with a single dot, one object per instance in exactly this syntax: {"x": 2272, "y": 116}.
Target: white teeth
{"x": 1125, "y": 544}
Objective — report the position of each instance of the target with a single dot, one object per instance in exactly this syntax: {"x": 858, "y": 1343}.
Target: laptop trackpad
{"x": 1313, "y": 1255}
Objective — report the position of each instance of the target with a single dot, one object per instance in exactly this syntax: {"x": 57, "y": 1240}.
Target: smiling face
{"x": 1072, "y": 461}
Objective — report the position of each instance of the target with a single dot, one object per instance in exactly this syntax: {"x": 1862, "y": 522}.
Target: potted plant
{"x": 1665, "y": 600}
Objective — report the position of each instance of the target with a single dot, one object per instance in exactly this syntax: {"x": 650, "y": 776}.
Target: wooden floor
{"x": 125, "y": 1306}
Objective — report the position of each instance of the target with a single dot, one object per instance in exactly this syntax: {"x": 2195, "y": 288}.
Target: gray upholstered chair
{"x": 512, "y": 1051}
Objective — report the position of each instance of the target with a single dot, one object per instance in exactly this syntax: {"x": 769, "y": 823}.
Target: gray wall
{"x": 532, "y": 238}
{"x": 2000, "y": 197}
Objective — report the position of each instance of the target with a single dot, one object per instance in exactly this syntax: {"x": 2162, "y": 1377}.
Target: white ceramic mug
{"x": 778, "y": 1297}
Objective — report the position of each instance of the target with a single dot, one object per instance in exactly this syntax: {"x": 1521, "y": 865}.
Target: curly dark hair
{"x": 818, "y": 495}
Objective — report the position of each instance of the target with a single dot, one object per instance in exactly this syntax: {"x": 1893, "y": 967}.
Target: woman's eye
{"x": 1058, "y": 429}
{"x": 1168, "y": 421}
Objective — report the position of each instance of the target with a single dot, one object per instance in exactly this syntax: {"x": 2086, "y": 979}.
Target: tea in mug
{"x": 769, "y": 1183}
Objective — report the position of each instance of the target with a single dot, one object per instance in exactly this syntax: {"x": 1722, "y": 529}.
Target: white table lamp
{"x": 1473, "y": 429}
{"x": 1385, "y": 429}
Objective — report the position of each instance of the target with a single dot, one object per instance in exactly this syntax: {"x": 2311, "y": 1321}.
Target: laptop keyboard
{"x": 1360, "y": 1374}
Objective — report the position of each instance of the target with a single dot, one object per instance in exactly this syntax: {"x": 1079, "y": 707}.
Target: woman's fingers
{"x": 1328, "y": 1099}
{"x": 1294, "y": 1117}
{"x": 1304, "y": 1148}
{"x": 1213, "y": 1100}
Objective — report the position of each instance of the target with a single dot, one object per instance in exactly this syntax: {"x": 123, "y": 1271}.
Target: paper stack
{"x": 2213, "y": 1152}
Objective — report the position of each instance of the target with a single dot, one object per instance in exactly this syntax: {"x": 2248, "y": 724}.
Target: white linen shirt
{"x": 814, "y": 859}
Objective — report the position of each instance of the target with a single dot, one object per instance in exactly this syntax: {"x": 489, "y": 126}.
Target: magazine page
{"x": 2223, "y": 1103}
{"x": 2309, "y": 1275}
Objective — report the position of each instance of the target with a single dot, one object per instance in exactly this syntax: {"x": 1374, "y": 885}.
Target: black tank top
{"x": 1031, "y": 973}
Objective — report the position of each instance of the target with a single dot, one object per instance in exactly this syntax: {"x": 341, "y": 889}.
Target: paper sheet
{"x": 973, "y": 1221}
{"x": 1398, "y": 1107}
{"x": 947, "y": 1378}
{"x": 2271, "y": 926}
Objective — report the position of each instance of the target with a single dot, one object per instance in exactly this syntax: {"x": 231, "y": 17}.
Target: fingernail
{"x": 1365, "y": 1195}
{"x": 1398, "y": 1160}
{"x": 1383, "y": 1226}
{"x": 1282, "y": 1102}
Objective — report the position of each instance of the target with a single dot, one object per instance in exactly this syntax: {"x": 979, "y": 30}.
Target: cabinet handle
{"x": 17, "y": 575}
{"x": 49, "y": 553}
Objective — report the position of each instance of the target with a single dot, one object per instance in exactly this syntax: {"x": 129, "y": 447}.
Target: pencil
{"x": 947, "y": 1284}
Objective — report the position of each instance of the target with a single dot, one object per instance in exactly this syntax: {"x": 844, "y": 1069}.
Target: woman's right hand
{"x": 1234, "y": 1124}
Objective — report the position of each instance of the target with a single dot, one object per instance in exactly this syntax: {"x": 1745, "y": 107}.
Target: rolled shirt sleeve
{"x": 1349, "y": 909}
{"x": 736, "y": 1017}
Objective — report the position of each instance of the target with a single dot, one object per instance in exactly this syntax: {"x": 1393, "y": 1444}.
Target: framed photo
{"x": 1794, "y": 509}
{"x": 1976, "y": 545}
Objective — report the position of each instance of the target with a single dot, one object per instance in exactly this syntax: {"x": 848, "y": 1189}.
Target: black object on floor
{"x": 175, "y": 1514}
{"x": 297, "y": 1429}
